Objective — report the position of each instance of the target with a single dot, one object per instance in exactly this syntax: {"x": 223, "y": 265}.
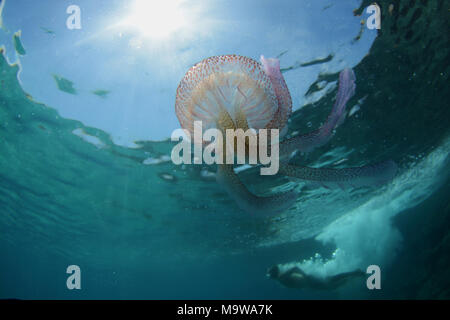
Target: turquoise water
{"x": 78, "y": 187}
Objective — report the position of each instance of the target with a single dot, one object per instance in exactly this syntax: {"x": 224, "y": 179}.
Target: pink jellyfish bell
{"x": 232, "y": 92}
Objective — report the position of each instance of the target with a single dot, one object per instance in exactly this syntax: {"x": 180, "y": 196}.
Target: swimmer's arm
{"x": 297, "y": 271}
{"x": 342, "y": 277}
{"x": 297, "y": 276}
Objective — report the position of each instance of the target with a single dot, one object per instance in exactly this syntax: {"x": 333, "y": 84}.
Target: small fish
{"x": 353, "y": 110}
{"x": 318, "y": 61}
{"x": 282, "y": 54}
{"x": 64, "y": 84}
{"x": 48, "y": 31}
{"x": 101, "y": 93}
{"x": 18, "y": 43}
{"x": 327, "y": 7}
{"x": 360, "y": 33}
{"x": 309, "y": 63}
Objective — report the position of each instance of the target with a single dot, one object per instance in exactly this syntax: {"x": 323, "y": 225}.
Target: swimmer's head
{"x": 273, "y": 272}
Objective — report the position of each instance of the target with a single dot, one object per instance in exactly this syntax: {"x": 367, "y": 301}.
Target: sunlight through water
{"x": 156, "y": 19}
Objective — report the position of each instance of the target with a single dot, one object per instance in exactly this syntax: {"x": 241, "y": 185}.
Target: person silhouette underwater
{"x": 294, "y": 277}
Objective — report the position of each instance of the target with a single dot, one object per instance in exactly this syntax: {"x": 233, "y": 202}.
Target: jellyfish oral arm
{"x": 319, "y": 137}
{"x": 247, "y": 201}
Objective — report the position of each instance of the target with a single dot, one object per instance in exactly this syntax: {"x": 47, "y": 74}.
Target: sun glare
{"x": 156, "y": 18}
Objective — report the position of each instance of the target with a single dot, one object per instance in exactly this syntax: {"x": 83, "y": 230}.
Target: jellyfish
{"x": 237, "y": 92}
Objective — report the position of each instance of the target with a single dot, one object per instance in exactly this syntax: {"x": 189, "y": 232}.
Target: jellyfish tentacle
{"x": 319, "y": 137}
{"x": 369, "y": 175}
{"x": 235, "y": 92}
{"x": 271, "y": 67}
{"x": 247, "y": 201}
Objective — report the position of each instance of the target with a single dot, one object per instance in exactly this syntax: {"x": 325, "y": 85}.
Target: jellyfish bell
{"x": 229, "y": 92}
{"x": 238, "y": 94}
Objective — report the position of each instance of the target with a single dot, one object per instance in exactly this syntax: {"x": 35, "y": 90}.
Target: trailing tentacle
{"x": 249, "y": 202}
{"x": 271, "y": 67}
{"x": 317, "y": 138}
{"x": 370, "y": 175}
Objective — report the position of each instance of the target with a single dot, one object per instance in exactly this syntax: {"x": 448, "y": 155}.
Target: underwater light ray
{"x": 156, "y": 19}
{"x": 152, "y": 20}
